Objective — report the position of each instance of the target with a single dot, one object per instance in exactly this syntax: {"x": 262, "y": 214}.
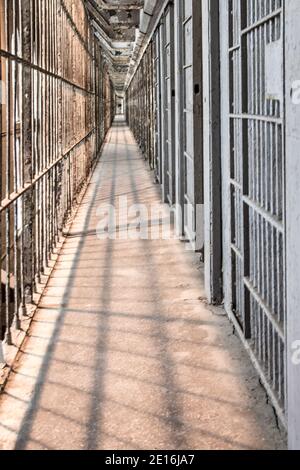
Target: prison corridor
{"x": 124, "y": 352}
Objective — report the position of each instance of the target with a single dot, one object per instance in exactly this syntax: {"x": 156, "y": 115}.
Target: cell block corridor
{"x": 149, "y": 224}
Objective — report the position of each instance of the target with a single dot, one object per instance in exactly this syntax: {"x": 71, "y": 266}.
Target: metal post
{"x": 28, "y": 201}
{"x": 211, "y": 151}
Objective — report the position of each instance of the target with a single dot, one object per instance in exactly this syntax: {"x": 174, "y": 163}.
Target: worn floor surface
{"x": 123, "y": 352}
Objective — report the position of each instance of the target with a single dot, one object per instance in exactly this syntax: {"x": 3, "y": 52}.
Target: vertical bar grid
{"x": 143, "y": 106}
{"x": 52, "y": 128}
{"x": 257, "y": 183}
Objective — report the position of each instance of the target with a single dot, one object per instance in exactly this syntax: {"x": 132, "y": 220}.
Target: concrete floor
{"x": 123, "y": 352}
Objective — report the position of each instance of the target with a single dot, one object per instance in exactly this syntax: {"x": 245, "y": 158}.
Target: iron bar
{"x": 51, "y": 135}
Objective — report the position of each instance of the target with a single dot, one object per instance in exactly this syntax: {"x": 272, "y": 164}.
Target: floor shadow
{"x": 28, "y": 420}
{"x": 172, "y": 404}
{"x": 169, "y": 390}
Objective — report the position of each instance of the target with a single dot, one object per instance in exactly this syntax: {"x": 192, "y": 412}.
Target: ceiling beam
{"x": 133, "y": 5}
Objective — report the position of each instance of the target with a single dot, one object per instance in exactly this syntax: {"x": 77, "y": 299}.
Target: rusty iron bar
{"x": 59, "y": 104}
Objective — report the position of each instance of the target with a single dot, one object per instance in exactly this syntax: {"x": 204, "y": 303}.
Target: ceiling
{"x": 116, "y": 24}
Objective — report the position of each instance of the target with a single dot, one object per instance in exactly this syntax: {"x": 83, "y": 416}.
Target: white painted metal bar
{"x": 254, "y": 259}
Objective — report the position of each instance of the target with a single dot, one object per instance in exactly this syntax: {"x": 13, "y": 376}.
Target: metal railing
{"x": 57, "y": 105}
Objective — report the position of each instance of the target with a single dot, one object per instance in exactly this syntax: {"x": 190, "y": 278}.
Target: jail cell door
{"x": 191, "y": 119}
{"x": 253, "y": 182}
{"x": 168, "y": 94}
{"x": 157, "y": 107}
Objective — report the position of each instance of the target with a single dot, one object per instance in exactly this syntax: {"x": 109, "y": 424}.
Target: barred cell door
{"x": 252, "y": 91}
{"x": 168, "y": 102}
{"x": 157, "y": 106}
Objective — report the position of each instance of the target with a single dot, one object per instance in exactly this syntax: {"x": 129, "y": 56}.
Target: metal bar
{"x": 50, "y": 138}
{"x": 262, "y": 21}
{"x": 7, "y": 177}
{"x": 6, "y": 203}
{"x": 253, "y": 167}
{"x": 274, "y": 221}
{"x": 256, "y": 118}
{"x": 39, "y": 68}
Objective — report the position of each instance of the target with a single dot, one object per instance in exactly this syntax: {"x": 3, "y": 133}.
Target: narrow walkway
{"x": 123, "y": 352}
